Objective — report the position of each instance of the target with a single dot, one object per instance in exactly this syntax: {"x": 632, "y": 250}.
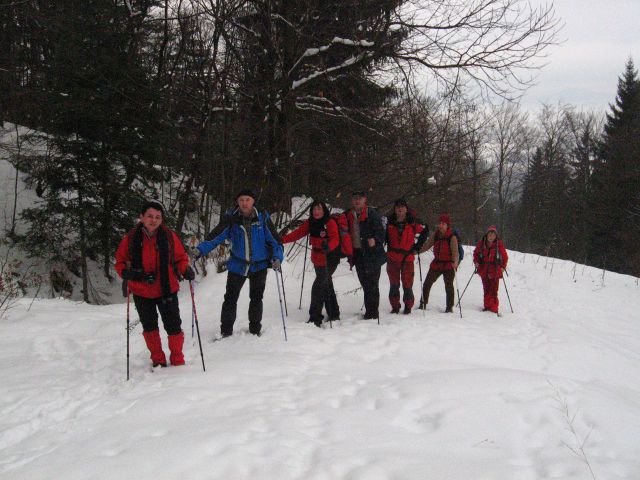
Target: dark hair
{"x": 155, "y": 204}
{"x": 401, "y": 202}
{"x": 359, "y": 193}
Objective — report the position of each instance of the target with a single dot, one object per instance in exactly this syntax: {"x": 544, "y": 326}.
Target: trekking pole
{"x": 193, "y": 322}
{"x": 421, "y": 288}
{"x": 304, "y": 268}
{"x": 458, "y": 291}
{"x": 475, "y": 270}
{"x": 284, "y": 325}
{"x": 507, "y": 290}
{"x": 284, "y": 294}
{"x": 128, "y": 302}
{"x": 195, "y": 316}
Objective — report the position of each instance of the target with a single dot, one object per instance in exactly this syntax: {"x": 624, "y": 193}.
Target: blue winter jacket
{"x": 246, "y": 258}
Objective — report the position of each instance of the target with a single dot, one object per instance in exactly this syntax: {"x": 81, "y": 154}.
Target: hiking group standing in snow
{"x": 152, "y": 261}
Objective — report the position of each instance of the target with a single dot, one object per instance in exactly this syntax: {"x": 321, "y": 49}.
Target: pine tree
{"x": 615, "y": 199}
{"x": 98, "y": 123}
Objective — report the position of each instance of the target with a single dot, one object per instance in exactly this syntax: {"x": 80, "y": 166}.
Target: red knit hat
{"x": 445, "y": 218}
{"x": 492, "y": 229}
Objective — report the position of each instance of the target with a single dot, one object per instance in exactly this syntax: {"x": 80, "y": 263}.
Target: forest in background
{"x": 193, "y": 100}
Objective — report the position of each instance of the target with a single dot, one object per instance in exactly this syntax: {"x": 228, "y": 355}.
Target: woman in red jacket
{"x": 151, "y": 258}
{"x": 402, "y": 230}
{"x": 490, "y": 259}
{"x": 325, "y": 256}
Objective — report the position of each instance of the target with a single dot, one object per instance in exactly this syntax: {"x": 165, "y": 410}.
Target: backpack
{"x": 460, "y": 249}
{"x": 343, "y": 231}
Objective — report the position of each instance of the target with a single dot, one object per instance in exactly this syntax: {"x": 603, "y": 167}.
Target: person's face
{"x": 442, "y": 227}
{"x": 358, "y": 202}
{"x": 317, "y": 212}
{"x": 245, "y": 203}
{"x": 491, "y": 236}
{"x": 151, "y": 219}
{"x": 401, "y": 212}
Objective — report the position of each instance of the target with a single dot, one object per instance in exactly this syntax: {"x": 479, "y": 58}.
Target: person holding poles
{"x": 367, "y": 237}
{"x": 323, "y": 231}
{"x": 402, "y": 230}
{"x": 445, "y": 260}
{"x": 490, "y": 258}
{"x": 152, "y": 260}
{"x": 255, "y": 246}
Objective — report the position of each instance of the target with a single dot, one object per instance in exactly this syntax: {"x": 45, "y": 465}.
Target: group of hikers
{"x": 152, "y": 261}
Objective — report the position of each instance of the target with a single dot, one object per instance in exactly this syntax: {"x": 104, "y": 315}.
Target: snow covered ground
{"x": 549, "y": 392}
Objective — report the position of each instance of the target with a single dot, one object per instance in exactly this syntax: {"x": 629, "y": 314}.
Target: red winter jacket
{"x": 445, "y": 250}
{"x": 490, "y": 257}
{"x": 329, "y": 236}
{"x": 178, "y": 261}
{"x": 399, "y": 245}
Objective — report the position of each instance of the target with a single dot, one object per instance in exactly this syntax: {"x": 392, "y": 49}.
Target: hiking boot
{"x": 449, "y": 310}
{"x": 395, "y": 310}
{"x": 407, "y": 310}
{"x": 370, "y": 316}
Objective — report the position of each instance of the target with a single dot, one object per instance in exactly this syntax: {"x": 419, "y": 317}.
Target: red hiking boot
{"x": 155, "y": 347}
{"x": 175, "y": 345}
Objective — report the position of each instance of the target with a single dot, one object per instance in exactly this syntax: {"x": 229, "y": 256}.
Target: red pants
{"x": 395, "y": 272}
{"x": 490, "y": 286}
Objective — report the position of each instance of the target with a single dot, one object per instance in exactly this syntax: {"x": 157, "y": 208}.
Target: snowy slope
{"x": 531, "y": 395}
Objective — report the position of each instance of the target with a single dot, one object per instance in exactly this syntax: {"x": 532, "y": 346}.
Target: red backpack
{"x": 345, "y": 248}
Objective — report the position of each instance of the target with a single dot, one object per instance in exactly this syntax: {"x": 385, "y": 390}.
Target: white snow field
{"x": 551, "y": 391}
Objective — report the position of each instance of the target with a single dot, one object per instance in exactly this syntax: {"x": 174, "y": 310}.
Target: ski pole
{"x": 128, "y": 302}
{"x": 421, "y": 286}
{"x": 284, "y": 294}
{"x": 193, "y": 322}
{"x": 284, "y": 325}
{"x": 304, "y": 268}
{"x": 475, "y": 270}
{"x": 507, "y": 290}
{"x": 195, "y": 316}
{"x": 455, "y": 275}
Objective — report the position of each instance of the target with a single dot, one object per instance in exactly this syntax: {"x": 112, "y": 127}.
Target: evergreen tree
{"x": 615, "y": 199}
{"x": 99, "y": 124}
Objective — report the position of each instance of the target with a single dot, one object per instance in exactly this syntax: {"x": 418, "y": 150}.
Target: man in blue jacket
{"x": 255, "y": 246}
{"x": 367, "y": 236}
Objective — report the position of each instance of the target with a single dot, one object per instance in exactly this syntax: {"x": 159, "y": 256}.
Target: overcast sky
{"x": 600, "y": 35}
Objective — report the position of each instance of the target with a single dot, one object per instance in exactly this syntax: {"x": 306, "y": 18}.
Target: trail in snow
{"x": 419, "y": 396}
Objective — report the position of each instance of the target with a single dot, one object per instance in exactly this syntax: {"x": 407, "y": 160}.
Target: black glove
{"x": 135, "y": 275}
{"x": 189, "y": 274}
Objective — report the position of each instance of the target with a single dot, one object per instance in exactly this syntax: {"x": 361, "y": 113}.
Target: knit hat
{"x": 445, "y": 218}
{"x": 247, "y": 192}
{"x": 359, "y": 193}
{"x": 492, "y": 229}
{"x": 400, "y": 202}
{"x": 155, "y": 204}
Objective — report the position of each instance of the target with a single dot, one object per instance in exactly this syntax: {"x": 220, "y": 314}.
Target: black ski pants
{"x": 257, "y": 281}
{"x": 169, "y": 312}
{"x": 369, "y": 276}
{"x": 323, "y": 293}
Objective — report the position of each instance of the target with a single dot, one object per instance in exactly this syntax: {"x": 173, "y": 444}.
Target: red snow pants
{"x": 395, "y": 272}
{"x": 490, "y": 286}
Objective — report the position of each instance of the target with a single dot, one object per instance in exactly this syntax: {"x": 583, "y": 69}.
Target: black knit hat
{"x": 400, "y": 202}
{"x": 155, "y": 204}
{"x": 359, "y": 193}
{"x": 246, "y": 192}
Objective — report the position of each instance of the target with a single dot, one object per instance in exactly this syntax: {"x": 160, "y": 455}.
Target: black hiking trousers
{"x": 323, "y": 293}
{"x": 369, "y": 276}
{"x": 257, "y": 281}
{"x": 169, "y": 312}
